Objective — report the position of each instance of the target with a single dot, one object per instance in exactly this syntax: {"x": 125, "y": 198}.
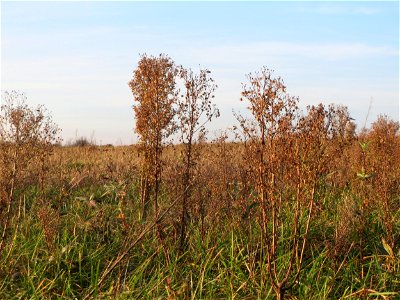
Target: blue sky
{"x": 76, "y": 58}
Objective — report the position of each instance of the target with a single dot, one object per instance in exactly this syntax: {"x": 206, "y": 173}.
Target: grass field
{"x": 235, "y": 185}
{"x": 80, "y": 235}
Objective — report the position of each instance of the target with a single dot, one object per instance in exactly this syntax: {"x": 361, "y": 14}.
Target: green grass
{"x": 225, "y": 262}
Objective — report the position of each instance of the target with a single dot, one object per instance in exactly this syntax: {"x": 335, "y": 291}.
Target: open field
{"x": 205, "y": 174}
{"x": 81, "y": 234}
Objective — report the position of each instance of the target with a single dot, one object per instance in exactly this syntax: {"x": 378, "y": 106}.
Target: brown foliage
{"x": 287, "y": 157}
{"x": 195, "y": 109}
{"x": 27, "y": 138}
{"x": 153, "y": 88}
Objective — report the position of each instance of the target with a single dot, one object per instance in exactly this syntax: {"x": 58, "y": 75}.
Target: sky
{"x": 76, "y": 58}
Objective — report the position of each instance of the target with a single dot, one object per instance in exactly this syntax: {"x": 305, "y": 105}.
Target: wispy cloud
{"x": 255, "y": 52}
{"x": 340, "y": 9}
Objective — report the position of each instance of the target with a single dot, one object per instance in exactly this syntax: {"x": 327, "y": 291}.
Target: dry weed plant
{"x": 153, "y": 88}
{"x": 384, "y": 156}
{"x": 350, "y": 225}
{"x": 195, "y": 110}
{"x": 50, "y": 221}
{"x": 271, "y": 153}
{"x": 27, "y": 138}
{"x": 288, "y": 156}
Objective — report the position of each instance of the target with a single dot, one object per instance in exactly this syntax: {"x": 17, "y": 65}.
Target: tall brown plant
{"x": 153, "y": 88}
{"x": 385, "y": 161}
{"x": 195, "y": 109}
{"x": 273, "y": 145}
{"x": 27, "y": 136}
